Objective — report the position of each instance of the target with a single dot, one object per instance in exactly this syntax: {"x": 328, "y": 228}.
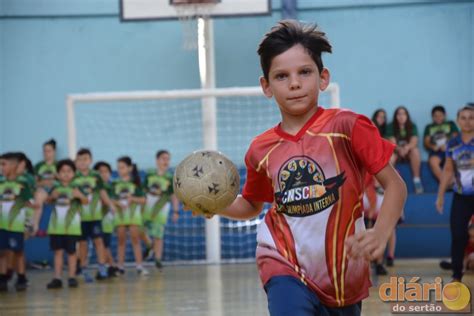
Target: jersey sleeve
{"x": 26, "y": 192}
{"x": 37, "y": 168}
{"x": 171, "y": 187}
{"x": 111, "y": 190}
{"x": 389, "y": 132}
{"x": 414, "y": 131}
{"x": 139, "y": 191}
{"x": 145, "y": 182}
{"x": 426, "y": 131}
{"x": 371, "y": 150}
{"x": 449, "y": 146}
{"x": 257, "y": 187}
{"x": 100, "y": 183}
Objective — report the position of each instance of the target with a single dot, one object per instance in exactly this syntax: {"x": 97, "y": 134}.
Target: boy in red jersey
{"x": 313, "y": 250}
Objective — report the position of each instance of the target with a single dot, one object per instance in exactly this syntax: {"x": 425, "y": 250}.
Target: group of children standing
{"x": 88, "y": 204}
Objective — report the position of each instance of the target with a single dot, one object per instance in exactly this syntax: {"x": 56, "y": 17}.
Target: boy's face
{"x": 466, "y": 121}
{"x": 83, "y": 162}
{"x": 294, "y": 81}
{"x": 66, "y": 174}
{"x": 10, "y": 167}
{"x": 104, "y": 173}
{"x": 163, "y": 162}
{"x": 438, "y": 117}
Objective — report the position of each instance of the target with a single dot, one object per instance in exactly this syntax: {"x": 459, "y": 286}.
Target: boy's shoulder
{"x": 454, "y": 142}
{"x": 336, "y": 120}
{"x": 150, "y": 172}
{"x": 340, "y": 120}
{"x": 39, "y": 164}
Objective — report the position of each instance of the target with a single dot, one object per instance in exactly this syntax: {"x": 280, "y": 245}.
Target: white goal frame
{"x": 209, "y": 122}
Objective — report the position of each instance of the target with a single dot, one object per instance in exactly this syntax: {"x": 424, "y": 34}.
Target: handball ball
{"x": 206, "y": 182}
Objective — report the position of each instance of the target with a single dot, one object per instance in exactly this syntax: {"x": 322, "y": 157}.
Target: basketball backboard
{"x": 133, "y": 10}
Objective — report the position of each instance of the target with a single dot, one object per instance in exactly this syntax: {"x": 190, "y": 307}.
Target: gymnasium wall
{"x": 386, "y": 53}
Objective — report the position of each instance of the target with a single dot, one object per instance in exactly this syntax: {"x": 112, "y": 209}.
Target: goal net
{"x": 139, "y": 123}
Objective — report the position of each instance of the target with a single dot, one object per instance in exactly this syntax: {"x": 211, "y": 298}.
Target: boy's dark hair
{"x": 467, "y": 107}
{"x": 101, "y": 164}
{"x": 66, "y": 162}
{"x": 438, "y": 108}
{"x": 135, "y": 175}
{"x": 51, "y": 143}
{"x": 22, "y": 157}
{"x": 161, "y": 152}
{"x": 396, "y": 125}
{"x": 84, "y": 151}
{"x": 11, "y": 156}
{"x": 288, "y": 33}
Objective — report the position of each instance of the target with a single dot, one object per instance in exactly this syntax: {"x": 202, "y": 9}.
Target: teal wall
{"x": 386, "y": 53}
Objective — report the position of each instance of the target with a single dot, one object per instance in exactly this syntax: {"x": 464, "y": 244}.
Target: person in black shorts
{"x": 65, "y": 222}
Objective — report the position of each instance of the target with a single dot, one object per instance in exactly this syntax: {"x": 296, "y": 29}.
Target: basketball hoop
{"x": 188, "y": 13}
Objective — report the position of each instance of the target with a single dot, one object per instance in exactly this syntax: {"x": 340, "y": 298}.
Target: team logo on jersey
{"x": 64, "y": 196}
{"x": 304, "y": 189}
{"x": 47, "y": 172}
{"x": 465, "y": 160}
{"x": 87, "y": 184}
{"x": 124, "y": 189}
{"x": 157, "y": 185}
{"x": 9, "y": 190}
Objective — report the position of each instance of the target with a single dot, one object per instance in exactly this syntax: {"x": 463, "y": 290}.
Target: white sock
{"x": 416, "y": 179}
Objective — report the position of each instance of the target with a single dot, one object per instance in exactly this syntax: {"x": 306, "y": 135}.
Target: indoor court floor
{"x": 191, "y": 290}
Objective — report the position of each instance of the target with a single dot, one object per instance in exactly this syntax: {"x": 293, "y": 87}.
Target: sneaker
{"x": 120, "y": 271}
{"x": 158, "y": 264}
{"x": 21, "y": 284}
{"x": 446, "y": 265}
{"x": 389, "y": 261}
{"x": 418, "y": 186}
{"x": 142, "y": 271}
{"x": 55, "y": 284}
{"x": 380, "y": 270}
{"x": 72, "y": 282}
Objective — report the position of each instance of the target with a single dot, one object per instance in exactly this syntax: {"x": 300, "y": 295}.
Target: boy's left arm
{"x": 373, "y": 154}
{"x": 370, "y": 244}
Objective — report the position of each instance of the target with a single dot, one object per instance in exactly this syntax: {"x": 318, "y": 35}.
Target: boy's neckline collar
{"x": 302, "y": 131}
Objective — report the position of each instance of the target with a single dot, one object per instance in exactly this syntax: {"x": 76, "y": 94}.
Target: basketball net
{"x": 188, "y": 15}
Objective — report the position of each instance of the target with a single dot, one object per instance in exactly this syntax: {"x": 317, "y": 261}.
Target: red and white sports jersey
{"x": 315, "y": 180}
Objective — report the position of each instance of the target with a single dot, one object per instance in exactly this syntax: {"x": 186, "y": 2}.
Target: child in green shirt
{"x": 64, "y": 226}
{"x": 159, "y": 193}
{"x": 16, "y": 196}
{"x": 128, "y": 197}
{"x": 108, "y": 225}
